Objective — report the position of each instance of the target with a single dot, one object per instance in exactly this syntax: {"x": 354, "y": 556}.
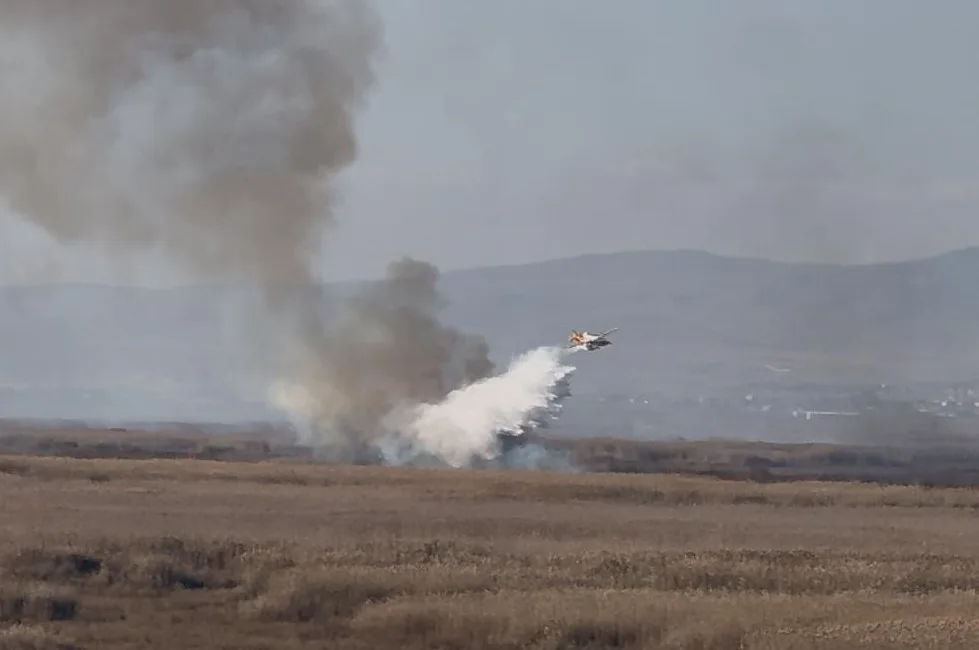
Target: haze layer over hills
{"x": 692, "y": 325}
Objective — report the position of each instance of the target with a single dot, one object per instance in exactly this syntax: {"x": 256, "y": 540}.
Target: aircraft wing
{"x": 604, "y": 334}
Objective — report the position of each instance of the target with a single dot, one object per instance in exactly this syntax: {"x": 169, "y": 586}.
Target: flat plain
{"x": 283, "y": 553}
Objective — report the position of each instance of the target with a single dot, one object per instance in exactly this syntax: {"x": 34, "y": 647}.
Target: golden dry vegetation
{"x": 182, "y": 553}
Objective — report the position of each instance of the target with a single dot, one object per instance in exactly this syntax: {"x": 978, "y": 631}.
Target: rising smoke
{"x": 211, "y": 131}
{"x": 387, "y": 351}
{"x": 469, "y": 424}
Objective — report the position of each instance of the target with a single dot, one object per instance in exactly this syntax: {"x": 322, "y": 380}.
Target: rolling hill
{"x": 692, "y": 324}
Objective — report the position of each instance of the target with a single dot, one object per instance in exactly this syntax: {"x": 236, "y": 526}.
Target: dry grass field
{"x": 184, "y": 553}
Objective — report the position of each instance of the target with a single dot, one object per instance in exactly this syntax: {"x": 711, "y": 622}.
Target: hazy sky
{"x": 509, "y": 131}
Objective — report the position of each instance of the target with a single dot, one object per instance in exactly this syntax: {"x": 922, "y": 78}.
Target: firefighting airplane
{"x": 589, "y": 342}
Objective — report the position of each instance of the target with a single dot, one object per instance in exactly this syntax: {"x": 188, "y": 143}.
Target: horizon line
{"x": 489, "y": 267}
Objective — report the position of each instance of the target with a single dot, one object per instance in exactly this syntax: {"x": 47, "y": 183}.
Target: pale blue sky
{"x": 515, "y": 130}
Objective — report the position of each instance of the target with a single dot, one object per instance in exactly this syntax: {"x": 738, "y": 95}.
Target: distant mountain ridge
{"x": 691, "y": 323}
{"x": 920, "y": 308}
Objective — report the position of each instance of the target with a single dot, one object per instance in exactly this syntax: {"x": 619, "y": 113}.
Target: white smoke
{"x": 296, "y": 401}
{"x": 466, "y": 425}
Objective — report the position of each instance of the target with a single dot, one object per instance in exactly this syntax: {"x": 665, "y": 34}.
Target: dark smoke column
{"x": 211, "y": 130}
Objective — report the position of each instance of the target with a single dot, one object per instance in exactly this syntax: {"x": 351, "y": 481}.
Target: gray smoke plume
{"x": 388, "y": 351}
{"x": 210, "y": 131}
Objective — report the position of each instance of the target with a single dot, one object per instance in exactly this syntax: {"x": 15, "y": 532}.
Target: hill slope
{"x": 691, "y": 324}
{"x": 688, "y": 313}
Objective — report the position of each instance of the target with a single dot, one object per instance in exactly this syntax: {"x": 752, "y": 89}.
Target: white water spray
{"x": 465, "y": 426}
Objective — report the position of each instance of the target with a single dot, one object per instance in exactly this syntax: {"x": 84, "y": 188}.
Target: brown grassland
{"x": 190, "y": 553}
